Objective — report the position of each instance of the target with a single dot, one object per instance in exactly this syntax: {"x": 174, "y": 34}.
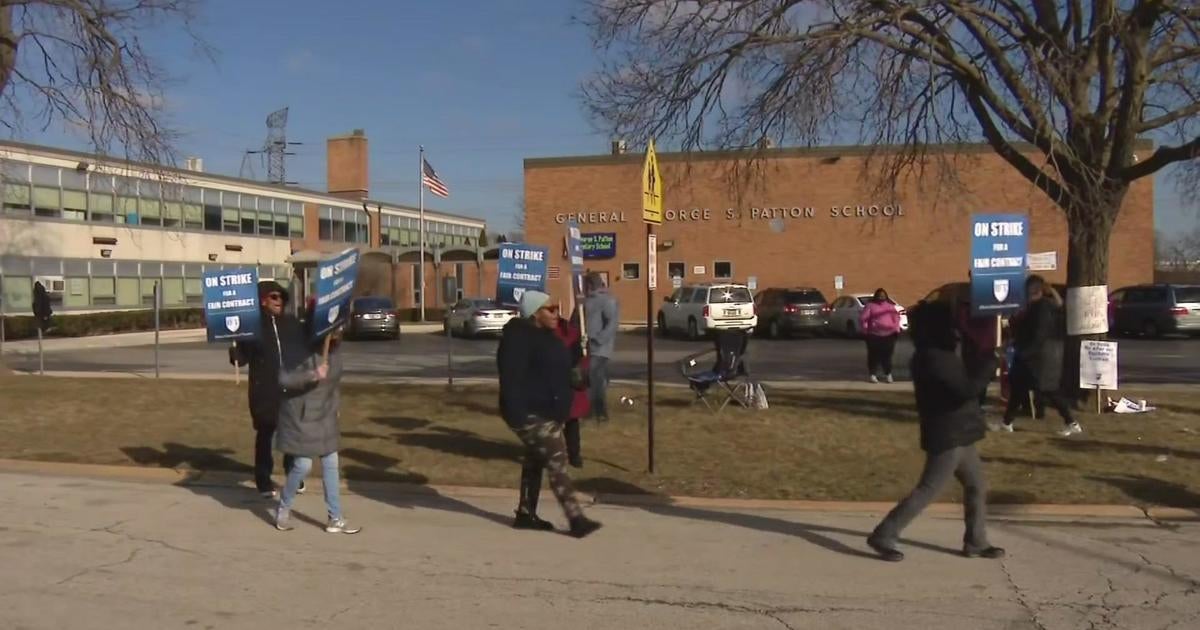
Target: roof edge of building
{"x": 853, "y": 150}
{"x": 56, "y": 152}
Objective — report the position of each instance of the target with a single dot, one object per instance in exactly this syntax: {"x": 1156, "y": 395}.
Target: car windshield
{"x": 729, "y": 295}
{"x": 483, "y": 304}
{"x": 1187, "y": 295}
{"x": 373, "y": 304}
{"x": 804, "y": 297}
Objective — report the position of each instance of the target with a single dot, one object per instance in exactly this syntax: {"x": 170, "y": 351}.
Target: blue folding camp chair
{"x": 729, "y": 372}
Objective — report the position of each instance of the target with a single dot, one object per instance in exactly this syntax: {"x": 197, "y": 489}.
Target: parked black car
{"x": 1154, "y": 310}
{"x": 790, "y": 311}
{"x": 373, "y": 317}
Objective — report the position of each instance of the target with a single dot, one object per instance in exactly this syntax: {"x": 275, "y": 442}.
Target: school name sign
{"x": 700, "y": 215}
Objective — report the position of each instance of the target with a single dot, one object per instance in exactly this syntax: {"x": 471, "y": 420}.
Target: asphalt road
{"x": 424, "y": 355}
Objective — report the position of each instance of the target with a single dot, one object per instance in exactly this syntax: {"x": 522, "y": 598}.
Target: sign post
{"x": 652, "y": 212}
{"x": 157, "y": 322}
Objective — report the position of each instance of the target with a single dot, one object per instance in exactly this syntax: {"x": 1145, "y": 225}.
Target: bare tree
{"x": 81, "y": 63}
{"x": 517, "y": 234}
{"x": 1062, "y": 91}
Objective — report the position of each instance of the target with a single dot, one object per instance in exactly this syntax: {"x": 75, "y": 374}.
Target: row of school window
{"x": 39, "y": 191}
{"x": 721, "y": 270}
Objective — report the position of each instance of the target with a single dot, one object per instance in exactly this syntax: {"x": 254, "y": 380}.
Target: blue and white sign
{"x": 522, "y": 268}
{"x": 231, "y": 306}
{"x": 335, "y": 287}
{"x": 999, "y": 245}
{"x": 575, "y": 254}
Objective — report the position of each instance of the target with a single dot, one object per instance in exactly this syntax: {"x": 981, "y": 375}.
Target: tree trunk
{"x": 1088, "y": 232}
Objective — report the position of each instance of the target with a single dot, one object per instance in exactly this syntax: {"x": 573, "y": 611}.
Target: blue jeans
{"x": 329, "y": 479}
{"x": 598, "y": 381}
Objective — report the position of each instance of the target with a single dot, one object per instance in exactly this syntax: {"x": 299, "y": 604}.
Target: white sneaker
{"x": 874, "y": 379}
{"x": 339, "y": 526}
{"x": 283, "y": 520}
{"x": 1071, "y": 429}
{"x": 1000, "y": 427}
{"x": 889, "y": 379}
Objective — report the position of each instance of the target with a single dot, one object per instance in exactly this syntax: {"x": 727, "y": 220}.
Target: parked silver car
{"x": 373, "y": 317}
{"x": 845, "y": 312}
{"x": 470, "y": 317}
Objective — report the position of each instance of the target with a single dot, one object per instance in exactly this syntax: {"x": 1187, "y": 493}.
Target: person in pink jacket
{"x": 880, "y": 325}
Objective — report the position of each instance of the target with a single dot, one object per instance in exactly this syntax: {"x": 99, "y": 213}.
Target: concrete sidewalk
{"x": 86, "y": 553}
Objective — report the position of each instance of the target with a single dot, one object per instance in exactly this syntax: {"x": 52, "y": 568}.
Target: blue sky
{"x": 482, "y": 84}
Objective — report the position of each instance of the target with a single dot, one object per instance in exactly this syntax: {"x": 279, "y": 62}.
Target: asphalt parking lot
{"x": 425, "y": 355}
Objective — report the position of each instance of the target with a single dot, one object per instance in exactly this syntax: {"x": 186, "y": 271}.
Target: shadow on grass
{"x": 1093, "y": 446}
{"x": 175, "y": 455}
{"x": 402, "y": 423}
{"x": 889, "y": 410}
{"x": 1021, "y": 461}
{"x": 1147, "y": 490}
{"x": 465, "y": 444}
{"x": 469, "y": 402}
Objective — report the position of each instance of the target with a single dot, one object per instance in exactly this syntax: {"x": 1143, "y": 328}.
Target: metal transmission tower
{"x": 276, "y": 147}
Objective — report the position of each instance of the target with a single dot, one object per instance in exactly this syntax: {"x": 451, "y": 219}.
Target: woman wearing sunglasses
{"x": 535, "y": 401}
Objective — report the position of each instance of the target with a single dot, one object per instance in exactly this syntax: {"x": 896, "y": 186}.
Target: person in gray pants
{"x": 951, "y": 423}
{"x": 603, "y": 318}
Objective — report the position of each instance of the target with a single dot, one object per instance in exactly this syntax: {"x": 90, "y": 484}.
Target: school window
{"x": 193, "y": 289}
{"x": 149, "y": 210}
{"x": 17, "y": 293}
{"x": 74, "y": 205}
{"x": 296, "y": 227}
{"x": 631, "y": 271}
{"x": 172, "y": 213}
{"x": 46, "y": 202}
{"x": 100, "y": 207}
{"x": 127, "y": 210}
{"x": 77, "y": 294}
{"x": 104, "y": 291}
{"x": 128, "y": 292}
{"x": 148, "y": 291}
{"x": 722, "y": 270}
{"x": 676, "y": 269}
{"x": 173, "y": 292}
{"x": 16, "y": 198}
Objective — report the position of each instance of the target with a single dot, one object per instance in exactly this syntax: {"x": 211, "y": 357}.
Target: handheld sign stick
{"x": 237, "y": 370}
{"x": 325, "y": 352}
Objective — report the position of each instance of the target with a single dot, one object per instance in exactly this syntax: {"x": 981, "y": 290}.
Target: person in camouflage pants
{"x": 535, "y": 402}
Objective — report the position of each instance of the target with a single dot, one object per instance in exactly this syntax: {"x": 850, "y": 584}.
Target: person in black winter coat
{"x": 951, "y": 423}
{"x": 535, "y": 402}
{"x": 264, "y": 358}
{"x": 1038, "y": 358}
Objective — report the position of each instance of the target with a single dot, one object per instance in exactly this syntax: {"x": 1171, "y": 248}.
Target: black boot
{"x": 531, "y": 488}
{"x": 572, "y": 438}
{"x": 581, "y": 526}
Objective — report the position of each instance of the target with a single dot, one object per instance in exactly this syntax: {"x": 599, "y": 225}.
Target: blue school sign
{"x": 599, "y": 245}
{"x": 522, "y": 268}
{"x": 231, "y": 306}
{"x": 999, "y": 244}
{"x": 335, "y": 287}
{"x": 575, "y": 253}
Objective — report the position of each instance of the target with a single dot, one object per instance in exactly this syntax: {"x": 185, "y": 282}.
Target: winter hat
{"x": 531, "y": 301}
{"x": 267, "y": 287}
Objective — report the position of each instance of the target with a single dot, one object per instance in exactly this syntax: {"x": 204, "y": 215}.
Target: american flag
{"x": 429, "y": 178}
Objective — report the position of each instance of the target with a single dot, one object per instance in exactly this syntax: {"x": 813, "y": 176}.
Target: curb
{"x": 180, "y": 477}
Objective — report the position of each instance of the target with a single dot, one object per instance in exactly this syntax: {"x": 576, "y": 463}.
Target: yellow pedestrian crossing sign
{"x": 652, "y": 195}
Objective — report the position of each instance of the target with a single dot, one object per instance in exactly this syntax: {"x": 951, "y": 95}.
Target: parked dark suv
{"x": 790, "y": 311}
{"x": 1154, "y": 310}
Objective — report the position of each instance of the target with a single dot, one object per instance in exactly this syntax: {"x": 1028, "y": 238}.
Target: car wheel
{"x": 662, "y": 326}
{"x": 445, "y": 329}
{"x": 693, "y": 329}
{"x": 466, "y": 330}
{"x": 1150, "y": 330}
{"x": 850, "y": 331}
{"x": 773, "y": 329}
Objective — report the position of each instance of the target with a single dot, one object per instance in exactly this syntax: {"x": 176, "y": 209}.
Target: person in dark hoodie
{"x": 978, "y": 338}
{"x": 951, "y": 423}
{"x": 535, "y": 402}
{"x": 264, "y": 357}
{"x": 1038, "y": 357}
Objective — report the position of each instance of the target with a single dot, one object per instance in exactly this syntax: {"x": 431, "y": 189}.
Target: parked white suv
{"x": 701, "y": 308}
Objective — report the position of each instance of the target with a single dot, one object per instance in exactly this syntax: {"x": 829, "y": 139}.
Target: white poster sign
{"x": 1098, "y": 365}
{"x": 839, "y": 282}
{"x": 1042, "y": 261}
{"x": 698, "y": 270}
{"x": 652, "y": 263}
{"x": 752, "y": 283}
{"x": 1087, "y": 310}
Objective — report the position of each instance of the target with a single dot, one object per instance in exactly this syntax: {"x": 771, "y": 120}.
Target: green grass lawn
{"x": 808, "y": 445}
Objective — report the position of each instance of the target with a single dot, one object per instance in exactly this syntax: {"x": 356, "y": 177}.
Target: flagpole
{"x": 421, "y": 206}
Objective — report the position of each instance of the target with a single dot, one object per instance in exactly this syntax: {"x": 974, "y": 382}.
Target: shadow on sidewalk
{"x": 382, "y": 487}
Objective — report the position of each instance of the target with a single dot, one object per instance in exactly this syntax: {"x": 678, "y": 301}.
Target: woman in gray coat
{"x": 308, "y": 427}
